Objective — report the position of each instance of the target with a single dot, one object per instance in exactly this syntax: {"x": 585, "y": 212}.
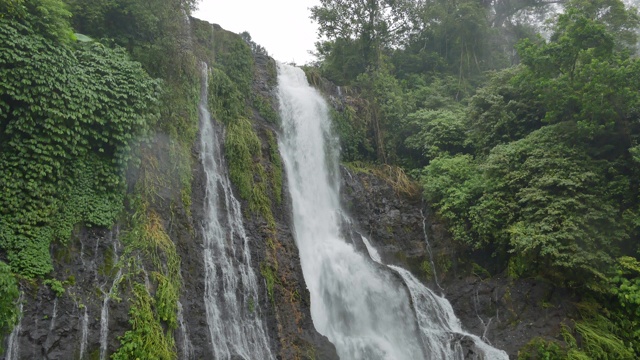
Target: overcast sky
{"x": 283, "y": 27}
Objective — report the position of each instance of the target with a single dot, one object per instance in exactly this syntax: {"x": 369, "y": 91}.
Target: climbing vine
{"x": 68, "y": 116}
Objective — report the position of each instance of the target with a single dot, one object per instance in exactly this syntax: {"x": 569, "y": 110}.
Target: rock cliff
{"x": 509, "y": 313}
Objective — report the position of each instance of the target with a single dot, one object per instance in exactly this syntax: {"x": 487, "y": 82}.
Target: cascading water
{"x": 363, "y": 308}
{"x": 187, "y": 346}
{"x": 13, "y": 344}
{"x": 426, "y": 240}
{"x": 104, "y": 313}
{"x": 440, "y": 328}
{"x": 54, "y": 315}
{"x": 231, "y": 287}
{"x": 85, "y": 333}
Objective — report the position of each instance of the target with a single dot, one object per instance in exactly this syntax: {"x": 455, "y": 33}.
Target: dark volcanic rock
{"x": 507, "y": 313}
{"x": 52, "y": 326}
{"x": 86, "y": 266}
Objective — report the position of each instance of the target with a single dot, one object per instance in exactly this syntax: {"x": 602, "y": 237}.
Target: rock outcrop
{"x": 508, "y": 313}
{"x": 89, "y": 314}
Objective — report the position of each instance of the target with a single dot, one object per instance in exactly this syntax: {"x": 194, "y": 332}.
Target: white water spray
{"x": 365, "y": 311}
{"x": 231, "y": 288}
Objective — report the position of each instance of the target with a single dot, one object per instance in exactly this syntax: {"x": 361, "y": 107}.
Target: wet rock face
{"x": 507, "y": 313}
{"x": 86, "y": 266}
{"x": 391, "y": 221}
{"x": 287, "y": 310}
{"x": 52, "y": 326}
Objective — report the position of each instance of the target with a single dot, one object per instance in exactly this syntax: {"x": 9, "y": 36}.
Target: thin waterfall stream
{"x": 108, "y": 293}
{"x": 367, "y": 310}
{"x": 85, "y": 333}
{"x": 231, "y": 288}
{"x": 13, "y": 343}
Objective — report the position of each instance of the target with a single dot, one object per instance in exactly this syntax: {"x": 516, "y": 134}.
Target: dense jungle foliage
{"x": 98, "y": 118}
{"x": 83, "y": 95}
{"x": 521, "y": 119}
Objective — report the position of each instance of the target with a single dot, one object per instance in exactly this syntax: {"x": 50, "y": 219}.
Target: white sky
{"x": 282, "y": 27}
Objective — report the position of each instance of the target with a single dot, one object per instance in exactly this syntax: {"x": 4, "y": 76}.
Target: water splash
{"x": 235, "y": 326}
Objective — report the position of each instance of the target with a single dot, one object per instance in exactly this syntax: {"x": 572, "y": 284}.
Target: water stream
{"x": 85, "y": 333}
{"x": 367, "y": 311}
{"x": 231, "y": 287}
{"x": 13, "y": 344}
{"x": 429, "y": 251}
{"x": 54, "y": 314}
{"x": 187, "y": 346}
{"x": 104, "y": 313}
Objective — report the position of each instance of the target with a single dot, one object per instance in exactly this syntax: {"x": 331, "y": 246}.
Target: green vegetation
{"x": 229, "y": 99}
{"x": 269, "y": 274}
{"x": 526, "y": 147}
{"x": 70, "y": 112}
{"x": 75, "y": 116}
{"x": 9, "y": 293}
{"x": 146, "y": 339}
{"x": 276, "y": 168}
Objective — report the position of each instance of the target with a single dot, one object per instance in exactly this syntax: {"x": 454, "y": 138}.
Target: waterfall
{"x": 426, "y": 240}
{"x": 373, "y": 253}
{"x": 85, "y": 333}
{"x": 104, "y": 313}
{"x": 53, "y": 315}
{"x": 360, "y": 308}
{"x": 364, "y": 309}
{"x": 13, "y": 344}
{"x": 440, "y": 328}
{"x": 187, "y": 346}
{"x": 231, "y": 286}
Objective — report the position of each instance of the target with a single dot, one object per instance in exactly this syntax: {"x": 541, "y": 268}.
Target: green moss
{"x": 479, "y": 271}
{"x": 265, "y": 109}
{"x": 251, "y": 304}
{"x": 272, "y": 73}
{"x": 9, "y": 293}
{"x": 276, "y": 167}
{"x": 108, "y": 263}
{"x": 540, "y": 348}
{"x": 427, "y": 270}
{"x": 443, "y": 263}
{"x": 269, "y": 275}
{"x": 260, "y": 202}
{"x": 242, "y": 145}
{"x": 146, "y": 339}
{"x": 516, "y": 267}
{"x": 226, "y": 102}
{"x": 55, "y": 286}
